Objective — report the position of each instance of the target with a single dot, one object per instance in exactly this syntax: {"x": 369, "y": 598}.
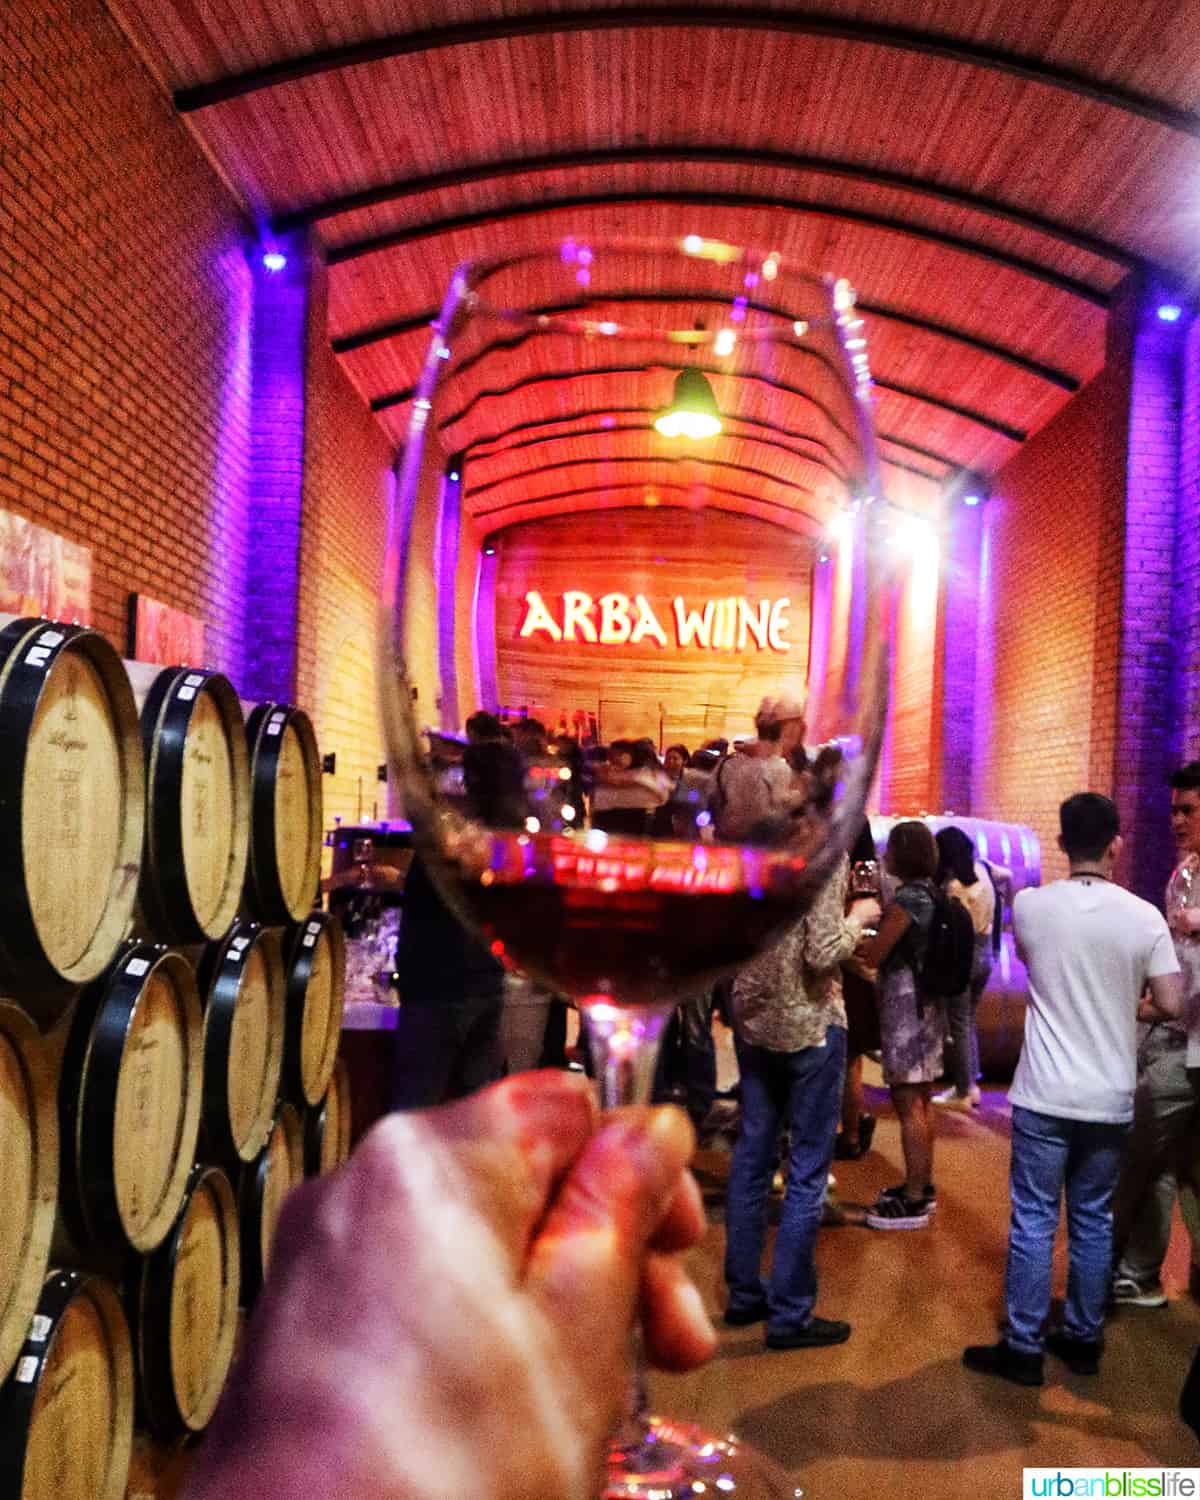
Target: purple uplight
{"x": 737, "y": 312}
{"x": 583, "y": 276}
{"x": 274, "y": 260}
{"x": 1170, "y": 312}
{"x": 972, "y": 499}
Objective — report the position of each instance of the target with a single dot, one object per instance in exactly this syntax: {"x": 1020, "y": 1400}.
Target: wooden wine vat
{"x": 241, "y": 981}
{"x": 327, "y": 1126}
{"x": 28, "y": 1175}
{"x": 66, "y": 1411}
{"x": 72, "y": 806}
{"x": 316, "y": 983}
{"x": 183, "y": 1309}
{"x": 197, "y": 802}
{"x": 129, "y": 1101}
{"x": 286, "y": 831}
{"x": 265, "y": 1184}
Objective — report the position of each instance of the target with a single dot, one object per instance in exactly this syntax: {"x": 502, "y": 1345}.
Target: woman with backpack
{"x": 962, "y": 875}
{"x": 912, "y": 1021}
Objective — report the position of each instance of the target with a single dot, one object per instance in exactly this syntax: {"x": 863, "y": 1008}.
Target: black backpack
{"x": 949, "y": 949}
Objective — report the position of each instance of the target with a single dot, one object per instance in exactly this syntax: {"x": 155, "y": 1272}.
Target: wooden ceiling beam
{"x": 380, "y": 332}
{"x": 528, "y": 208}
{"x": 619, "y": 411}
{"x": 924, "y": 42}
{"x": 796, "y": 513}
{"x": 927, "y": 398}
{"x": 482, "y": 449}
{"x": 711, "y": 155}
{"x": 673, "y": 459}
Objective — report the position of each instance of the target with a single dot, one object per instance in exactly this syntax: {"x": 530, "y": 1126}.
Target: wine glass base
{"x": 679, "y": 1461}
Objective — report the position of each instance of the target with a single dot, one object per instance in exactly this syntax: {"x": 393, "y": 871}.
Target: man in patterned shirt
{"x": 790, "y": 1034}
{"x": 1164, "y": 1148}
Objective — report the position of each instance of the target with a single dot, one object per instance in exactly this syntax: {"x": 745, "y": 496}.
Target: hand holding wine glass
{"x": 446, "y": 1315}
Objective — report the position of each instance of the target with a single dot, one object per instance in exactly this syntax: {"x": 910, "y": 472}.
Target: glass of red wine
{"x": 609, "y": 537}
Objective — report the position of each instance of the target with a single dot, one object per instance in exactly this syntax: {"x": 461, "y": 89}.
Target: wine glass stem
{"x": 624, "y": 1042}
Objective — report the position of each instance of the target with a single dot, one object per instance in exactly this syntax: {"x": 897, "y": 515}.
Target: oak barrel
{"x": 66, "y": 1411}
{"x": 316, "y": 985}
{"x": 28, "y": 1175}
{"x": 265, "y": 1184}
{"x": 129, "y": 1101}
{"x": 197, "y": 801}
{"x": 71, "y": 809}
{"x": 242, "y": 985}
{"x": 286, "y": 833}
{"x": 327, "y": 1126}
{"x": 184, "y": 1309}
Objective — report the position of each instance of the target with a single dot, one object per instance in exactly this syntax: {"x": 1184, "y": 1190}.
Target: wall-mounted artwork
{"x": 158, "y": 633}
{"x": 41, "y": 573}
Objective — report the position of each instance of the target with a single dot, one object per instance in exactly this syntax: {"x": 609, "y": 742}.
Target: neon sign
{"x": 733, "y": 623}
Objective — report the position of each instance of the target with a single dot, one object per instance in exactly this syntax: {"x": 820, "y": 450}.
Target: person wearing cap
{"x": 759, "y": 784}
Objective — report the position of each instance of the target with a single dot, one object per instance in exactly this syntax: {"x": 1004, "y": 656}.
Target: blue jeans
{"x": 1048, "y": 1154}
{"x": 805, "y": 1090}
{"x": 960, "y": 1012}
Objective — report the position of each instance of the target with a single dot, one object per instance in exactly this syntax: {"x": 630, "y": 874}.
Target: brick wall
{"x": 1054, "y": 549}
{"x": 347, "y": 473}
{"x": 910, "y": 778}
{"x": 1185, "y": 618}
{"x": 124, "y": 324}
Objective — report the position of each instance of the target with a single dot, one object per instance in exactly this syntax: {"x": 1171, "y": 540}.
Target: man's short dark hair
{"x": 1186, "y": 779}
{"x": 484, "y": 726}
{"x": 1088, "y": 823}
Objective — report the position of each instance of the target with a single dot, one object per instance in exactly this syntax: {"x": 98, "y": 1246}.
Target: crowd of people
{"x": 540, "y": 1229}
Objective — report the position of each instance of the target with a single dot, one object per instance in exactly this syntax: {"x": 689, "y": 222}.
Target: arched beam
{"x": 348, "y": 343}
{"x": 726, "y": 156}
{"x": 981, "y": 419}
{"x": 475, "y": 450}
{"x": 927, "y": 43}
{"x": 529, "y": 208}
{"x": 792, "y": 511}
{"x": 674, "y": 460}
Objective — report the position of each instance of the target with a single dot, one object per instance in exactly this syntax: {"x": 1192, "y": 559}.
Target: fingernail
{"x": 667, "y": 1140}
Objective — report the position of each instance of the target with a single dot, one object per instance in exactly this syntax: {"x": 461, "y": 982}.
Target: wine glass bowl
{"x": 609, "y": 535}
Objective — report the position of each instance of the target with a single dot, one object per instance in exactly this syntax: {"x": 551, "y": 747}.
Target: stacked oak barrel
{"x": 170, "y": 1012}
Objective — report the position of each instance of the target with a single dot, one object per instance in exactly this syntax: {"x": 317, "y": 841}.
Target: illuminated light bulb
{"x": 799, "y": 328}
{"x": 583, "y": 276}
{"x": 564, "y": 774}
{"x": 750, "y": 280}
{"x": 533, "y": 825}
{"x": 568, "y": 813}
{"x": 607, "y": 328}
{"x": 693, "y": 411}
{"x": 651, "y": 499}
{"x": 453, "y": 476}
{"x": 725, "y": 341}
{"x": 693, "y": 244}
{"x": 770, "y": 268}
{"x": 444, "y": 352}
{"x": 1170, "y": 312}
{"x": 844, "y": 295}
{"x": 585, "y": 256}
{"x": 274, "y": 260}
{"x": 856, "y": 343}
{"x": 972, "y": 499}
{"x": 596, "y": 840}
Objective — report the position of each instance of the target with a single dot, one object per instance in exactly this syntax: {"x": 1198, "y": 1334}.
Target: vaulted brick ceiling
{"x": 984, "y": 174}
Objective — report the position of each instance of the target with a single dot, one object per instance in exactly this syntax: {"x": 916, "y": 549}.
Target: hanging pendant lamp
{"x": 693, "y": 410}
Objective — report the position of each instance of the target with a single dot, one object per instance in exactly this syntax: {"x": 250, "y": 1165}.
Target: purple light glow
{"x": 274, "y": 260}
{"x": 1170, "y": 312}
{"x": 972, "y": 499}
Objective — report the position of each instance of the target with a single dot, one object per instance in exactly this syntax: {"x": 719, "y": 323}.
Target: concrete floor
{"x": 892, "y": 1412}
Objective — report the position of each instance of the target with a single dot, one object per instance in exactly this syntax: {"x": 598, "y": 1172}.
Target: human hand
{"x": 867, "y": 910}
{"x": 448, "y": 1314}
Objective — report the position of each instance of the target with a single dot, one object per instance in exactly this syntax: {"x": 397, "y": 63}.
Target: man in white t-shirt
{"x": 1092, "y": 950}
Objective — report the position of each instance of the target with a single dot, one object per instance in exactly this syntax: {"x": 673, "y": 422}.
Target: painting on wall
{"x": 159, "y": 633}
{"x": 42, "y": 573}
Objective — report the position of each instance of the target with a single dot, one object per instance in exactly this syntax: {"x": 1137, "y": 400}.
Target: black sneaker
{"x": 1081, "y": 1356}
{"x": 742, "y": 1317}
{"x": 816, "y": 1333}
{"x": 1009, "y": 1364}
{"x": 928, "y": 1196}
{"x": 899, "y": 1212}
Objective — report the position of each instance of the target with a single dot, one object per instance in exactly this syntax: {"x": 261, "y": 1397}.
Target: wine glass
{"x": 621, "y": 464}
